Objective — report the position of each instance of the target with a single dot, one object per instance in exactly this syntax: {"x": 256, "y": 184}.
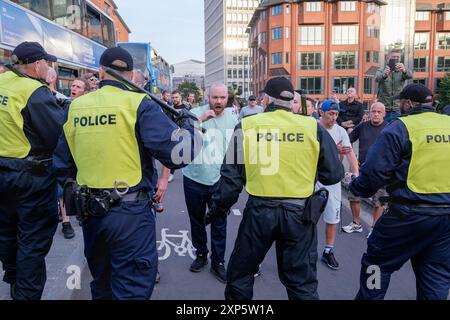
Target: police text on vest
{"x": 98, "y": 120}
{"x": 439, "y": 138}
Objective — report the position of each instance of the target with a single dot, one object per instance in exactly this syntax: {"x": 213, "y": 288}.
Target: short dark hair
{"x": 164, "y": 92}
{"x": 396, "y": 50}
{"x": 87, "y": 85}
{"x": 175, "y": 92}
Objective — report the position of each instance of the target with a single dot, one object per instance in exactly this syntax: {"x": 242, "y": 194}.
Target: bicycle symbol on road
{"x": 180, "y": 248}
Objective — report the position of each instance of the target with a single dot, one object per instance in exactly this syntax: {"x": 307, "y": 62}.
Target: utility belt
{"x": 82, "y": 201}
{"x": 411, "y": 203}
{"x": 36, "y": 165}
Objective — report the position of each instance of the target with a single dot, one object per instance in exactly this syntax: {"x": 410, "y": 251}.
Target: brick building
{"x": 322, "y": 46}
{"x": 110, "y": 8}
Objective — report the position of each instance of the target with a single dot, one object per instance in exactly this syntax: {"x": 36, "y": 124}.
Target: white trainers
{"x": 352, "y": 227}
{"x": 170, "y": 178}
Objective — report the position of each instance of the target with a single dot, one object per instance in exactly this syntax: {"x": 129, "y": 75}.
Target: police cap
{"x": 29, "y": 52}
{"x": 280, "y": 88}
{"x": 415, "y": 92}
{"x": 117, "y": 58}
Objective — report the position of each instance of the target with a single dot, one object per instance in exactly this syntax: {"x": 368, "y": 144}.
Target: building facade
{"x": 226, "y": 43}
{"x": 190, "y": 71}
{"x": 110, "y": 8}
{"x": 321, "y": 46}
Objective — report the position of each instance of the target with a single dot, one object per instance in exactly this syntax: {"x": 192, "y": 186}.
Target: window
{"x": 235, "y": 60}
{"x": 240, "y": 73}
{"x": 447, "y": 15}
{"x": 313, "y": 6}
{"x": 288, "y": 8}
{"x": 311, "y": 35}
{"x": 345, "y": 34}
{"x": 69, "y": 13}
{"x": 311, "y": 85}
{"x": 310, "y": 60}
{"x": 368, "y": 85}
{"x": 287, "y": 32}
{"x": 234, "y": 73}
{"x": 422, "y": 15}
{"x": 287, "y": 57}
{"x": 277, "y": 33}
{"x": 367, "y": 56}
{"x": 437, "y": 87}
{"x": 420, "y": 64}
{"x": 421, "y": 41}
{"x": 277, "y": 58}
{"x": 421, "y": 81}
{"x": 443, "y": 41}
{"x": 375, "y": 56}
{"x": 277, "y": 10}
{"x": 229, "y": 73}
{"x": 341, "y": 84}
{"x": 264, "y": 37}
{"x": 264, "y": 15}
{"x": 345, "y": 60}
{"x": 369, "y": 31}
{"x": 440, "y": 17}
{"x": 348, "y": 5}
{"x": 41, "y": 7}
{"x": 376, "y": 32}
{"x": 107, "y": 7}
{"x": 443, "y": 64}
{"x": 94, "y": 25}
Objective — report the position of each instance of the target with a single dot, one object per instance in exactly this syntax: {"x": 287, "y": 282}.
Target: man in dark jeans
{"x": 352, "y": 111}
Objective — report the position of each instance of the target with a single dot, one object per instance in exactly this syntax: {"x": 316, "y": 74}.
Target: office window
{"x": 288, "y": 8}
{"x": 287, "y": 32}
{"x": 443, "y": 64}
{"x": 310, "y": 35}
{"x": 375, "y": 56}
{"x": 235, "y": 60}
{"x": 106, "y": 9}
{"x": 277, "y": 58}
{"x": 437, "y": 86}
{"x": 348, "y": 5}
{"x": 421, "y": 41}
{"x": 367, "y": 56}
{"x": 345, "y": 34}
{"x": 341, "y": 84}
{"x": 234, "y": 73}
{"x": 264, "y": 15}
{"x": 443, "y": 41}
{"x": 240, "y": 60}
{"x": 310, "y": 60}
{"x": 277, "y": 33}
{"x": 376, "y": 32}
{"x": 287, "y": 57}
{"x": 447, "y": 15}
{"x": 313, "y": 6}
{"x": 277, "y": 10}
{"x": 240, "y": 73}
{"x": 369, "y": 31}
{"x": 368, "y": 85}
{"x": 420, "y": 64}
{"x": 311, "y": 85}
{"x": 422, "y": 15}
{"x": 421, "y": 81}
{"x": 345, "y": 60}
{"x": 229, "y": 73}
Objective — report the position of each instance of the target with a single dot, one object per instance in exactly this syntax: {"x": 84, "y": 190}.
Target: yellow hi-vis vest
{"x": 100, "y": 133}
{"x": 15, "y": 92}
{"x": 429, "y": 134}
{"x": 281, "y": 153}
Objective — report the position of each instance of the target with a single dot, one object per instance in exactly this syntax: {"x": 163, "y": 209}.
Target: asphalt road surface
{"x": 178, "y": 283}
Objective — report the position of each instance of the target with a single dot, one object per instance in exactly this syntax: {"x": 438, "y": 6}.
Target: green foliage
{"x": 185, "y": 87}
{"x": 444, "y": 91}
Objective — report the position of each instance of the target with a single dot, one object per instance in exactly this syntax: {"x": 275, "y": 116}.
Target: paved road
{"x": 177, "y": 282}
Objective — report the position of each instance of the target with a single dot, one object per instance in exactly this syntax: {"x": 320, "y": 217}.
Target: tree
{"x": 444, "y": 91}
{"x": 185, "y": 87}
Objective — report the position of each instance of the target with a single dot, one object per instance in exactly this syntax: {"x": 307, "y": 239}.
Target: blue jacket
{"x": 154, "y": 135}
{"x": 387, "y": 165}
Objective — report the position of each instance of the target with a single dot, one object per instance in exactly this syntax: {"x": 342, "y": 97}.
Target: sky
{"x": 175, "y": 28}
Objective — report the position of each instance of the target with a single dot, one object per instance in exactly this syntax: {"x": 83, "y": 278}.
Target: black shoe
{"x": 158, "y": 277}
{"x": 199, "y": 263}
{"x": 218, "y": 270}
{"x": 330, "y": 260}
{"x": 67, "y": 230}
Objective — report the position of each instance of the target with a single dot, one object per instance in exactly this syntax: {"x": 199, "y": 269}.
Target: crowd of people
{"x": 115, "y": 200}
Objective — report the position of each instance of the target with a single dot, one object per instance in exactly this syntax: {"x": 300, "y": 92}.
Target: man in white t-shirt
{"x": 329, "y": 111}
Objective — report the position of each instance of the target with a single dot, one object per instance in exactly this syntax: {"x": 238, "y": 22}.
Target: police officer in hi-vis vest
{"x": 278, "y": 156}
{"x": 411, "y": 157}
{"x": 30, "y": 124}
{"x": 109, "y": 139}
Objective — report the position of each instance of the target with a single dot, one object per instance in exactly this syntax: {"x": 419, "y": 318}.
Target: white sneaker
{"x": 352, "y": 227}
{"x": 170, "y": 178}
{"x": 370, "y": 232}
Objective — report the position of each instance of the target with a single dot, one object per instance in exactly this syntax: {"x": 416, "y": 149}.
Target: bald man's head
{"x": 377, "y": 113}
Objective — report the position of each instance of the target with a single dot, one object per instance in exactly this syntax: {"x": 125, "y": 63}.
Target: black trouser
{"x": 296, "y": 246}
{"x": 28, "y": 221}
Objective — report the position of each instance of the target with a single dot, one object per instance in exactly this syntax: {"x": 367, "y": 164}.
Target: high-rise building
{"x": 189, "y": 71}
{"x": 321, "y": 46}
{"x": 226, "y": 42}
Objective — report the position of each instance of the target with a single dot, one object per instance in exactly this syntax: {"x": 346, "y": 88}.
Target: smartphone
{"x": 392, "y": 63}
{"x": 304, "y": 106}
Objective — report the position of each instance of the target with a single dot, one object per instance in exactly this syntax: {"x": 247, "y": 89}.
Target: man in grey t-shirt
{"x": 252, "y": 108}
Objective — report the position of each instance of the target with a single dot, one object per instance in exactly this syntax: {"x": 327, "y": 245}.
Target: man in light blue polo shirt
{"x": 201, "y": 177}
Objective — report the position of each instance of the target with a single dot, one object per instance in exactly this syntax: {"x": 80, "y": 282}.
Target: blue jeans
{"x": 398, "y": 237}
{"x": 198, "y": 196}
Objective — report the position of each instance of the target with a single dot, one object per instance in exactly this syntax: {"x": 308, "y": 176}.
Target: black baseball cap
{"x": 112, "y": 56}
{"x": 280, "y": 88}
{"x": 29, "y": 52}
{"x": 415, "y": 92}
{"x": 252, "y": 98}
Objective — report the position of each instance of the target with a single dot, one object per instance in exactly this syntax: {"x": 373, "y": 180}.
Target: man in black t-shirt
{"x": 352, "y": 111}
{"x": 367, "y": 132}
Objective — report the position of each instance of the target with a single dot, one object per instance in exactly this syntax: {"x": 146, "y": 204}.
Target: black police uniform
{"x": 28, "y": 205}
